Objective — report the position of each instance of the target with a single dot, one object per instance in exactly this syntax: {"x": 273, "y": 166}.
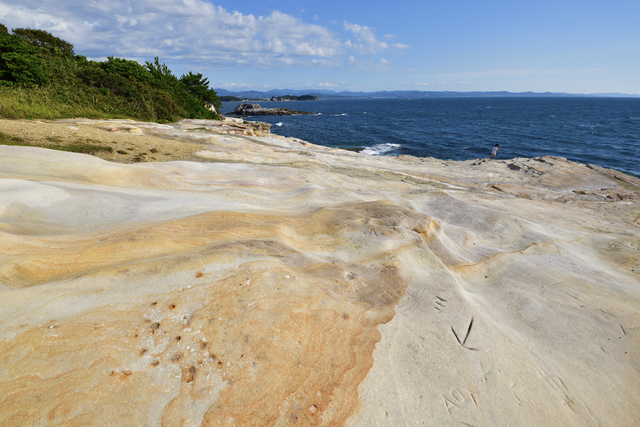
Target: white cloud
{"x": 192, "y": 29}
{"x": 371, "y": 65}
{"x": 366, "y": 39}
{"x": 123, "y": 20}
{"x": 235, "y": 85}
{"x": 196, "y": 34}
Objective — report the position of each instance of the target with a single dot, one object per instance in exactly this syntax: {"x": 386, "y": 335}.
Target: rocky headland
{"x": 257, "y": 110}
{"x": 257, "y": 280}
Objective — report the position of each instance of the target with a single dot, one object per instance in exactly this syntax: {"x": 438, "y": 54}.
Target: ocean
{"x": 601, "y": 131}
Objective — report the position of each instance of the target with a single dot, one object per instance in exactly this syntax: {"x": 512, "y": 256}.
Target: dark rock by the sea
{"x": 257, "y": 110}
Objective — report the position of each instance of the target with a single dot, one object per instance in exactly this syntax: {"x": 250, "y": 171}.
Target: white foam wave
{"x": 379, "y": 149}
{"x": 278, "y": 124}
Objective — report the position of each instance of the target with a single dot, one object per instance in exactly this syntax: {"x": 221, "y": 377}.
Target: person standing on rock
{"x": 494, "y": 151}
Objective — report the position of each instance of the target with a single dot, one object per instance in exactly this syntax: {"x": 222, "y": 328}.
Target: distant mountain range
{"x": 413, "y": 94}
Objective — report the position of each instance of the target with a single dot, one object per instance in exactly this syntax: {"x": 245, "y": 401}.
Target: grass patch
{"x": 74, "y": 148}
{"x": 52, "y": 103}
{"x": 11, "y": 140}
{"x": 81, "y": 148}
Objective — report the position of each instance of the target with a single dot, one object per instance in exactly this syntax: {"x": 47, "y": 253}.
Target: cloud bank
{"x": 193, "y": 31}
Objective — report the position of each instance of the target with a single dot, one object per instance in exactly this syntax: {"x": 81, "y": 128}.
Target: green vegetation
{"x": 11, "y": 140}
{"x": 42, "y": 77}
{"x": 295, "y": 98}
{"x": 230, "y": 99}
{"x": 85, "y": 148}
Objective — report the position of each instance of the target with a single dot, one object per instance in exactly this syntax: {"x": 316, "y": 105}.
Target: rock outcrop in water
{"x": 257, "y": 110}
{"x": 269, "y": 281}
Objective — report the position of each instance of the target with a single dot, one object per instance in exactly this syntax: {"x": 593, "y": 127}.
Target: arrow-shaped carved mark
{"x": 468, "y": 331}
{"x": 462, "y": 343}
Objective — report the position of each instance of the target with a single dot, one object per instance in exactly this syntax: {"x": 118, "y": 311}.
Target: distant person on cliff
{"x": 494, "y": 151}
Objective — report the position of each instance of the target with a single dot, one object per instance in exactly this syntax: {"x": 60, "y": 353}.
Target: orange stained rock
{"x": 285, "y": 337}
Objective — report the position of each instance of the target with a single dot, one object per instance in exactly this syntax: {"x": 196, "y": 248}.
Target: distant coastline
{"x": 408, "y": 94}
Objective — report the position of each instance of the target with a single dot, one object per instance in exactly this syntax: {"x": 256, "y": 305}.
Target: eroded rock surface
{"x": 273, "y": 282}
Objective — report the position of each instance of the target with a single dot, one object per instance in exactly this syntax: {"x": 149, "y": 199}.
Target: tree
{"x": 198, "y": 86}
{"x": 194, "y": 105}
{"x": 41, "y": 38}
{"x": 127, "y": 68}
{"x": 160, "y": 73}
{"x": 19, "y": 63}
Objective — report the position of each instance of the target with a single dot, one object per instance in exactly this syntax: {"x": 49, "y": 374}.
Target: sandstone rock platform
{"x": 269, "y": 281}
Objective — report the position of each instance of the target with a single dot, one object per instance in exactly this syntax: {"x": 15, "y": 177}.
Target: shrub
{"x": 22, "y": 69}
{"x": 127, "y": 68}
{"x": 114, "y": 83}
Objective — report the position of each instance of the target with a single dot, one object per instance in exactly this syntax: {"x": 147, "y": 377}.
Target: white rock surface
{"x": 273, "y": 282}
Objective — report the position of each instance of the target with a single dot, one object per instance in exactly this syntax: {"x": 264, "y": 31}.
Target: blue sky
{"x": 459, "y": 45}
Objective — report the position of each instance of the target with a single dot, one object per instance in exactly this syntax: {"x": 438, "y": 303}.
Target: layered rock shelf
{"x": 257, "y": 280}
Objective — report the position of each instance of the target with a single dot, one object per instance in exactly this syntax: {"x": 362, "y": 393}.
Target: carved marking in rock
{"x": 517, "y": 389}
{"x": 462, "y": 400}
{"x": 439, "y": 304}
{"x": 391, "y": 296}
{"x": 464, "y": 340}
{"x": 408, "y": 302}
{"x": 572, "y": 401}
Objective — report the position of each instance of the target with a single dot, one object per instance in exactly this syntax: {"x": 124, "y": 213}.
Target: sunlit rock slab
{"x": 269, "y": 281}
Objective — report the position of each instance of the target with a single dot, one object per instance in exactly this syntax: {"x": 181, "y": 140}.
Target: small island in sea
{"x": 257, "y": 110}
